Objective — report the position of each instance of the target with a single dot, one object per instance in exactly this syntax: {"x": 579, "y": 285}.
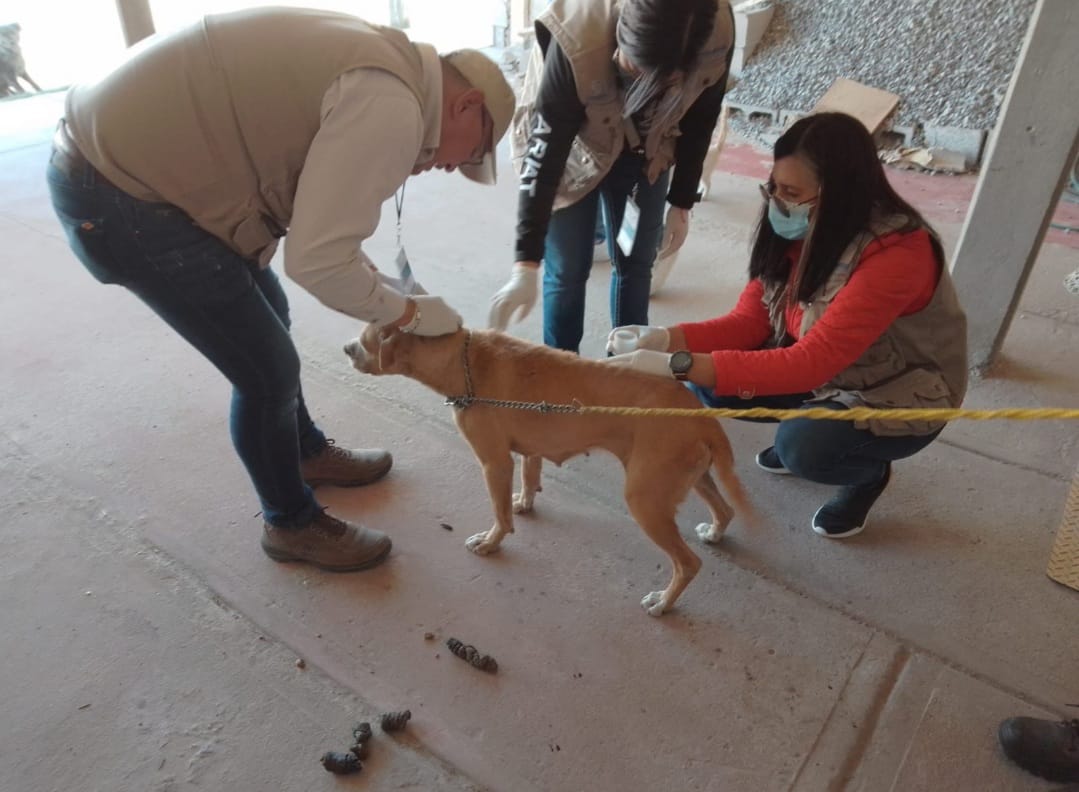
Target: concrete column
{"x": 135, "y": 19}
{"x": 519, "y": 17}
{"x": 1029, "y": 157}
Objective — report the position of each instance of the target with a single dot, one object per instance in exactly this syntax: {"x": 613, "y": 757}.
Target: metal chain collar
{"x": 470, "y": 397}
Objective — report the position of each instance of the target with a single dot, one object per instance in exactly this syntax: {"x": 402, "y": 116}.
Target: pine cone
{"x": 472, "y": 655}
{"x": 341, "y": 763}
{"x": 362, "y": 732}
{"x": 395, "y": 721}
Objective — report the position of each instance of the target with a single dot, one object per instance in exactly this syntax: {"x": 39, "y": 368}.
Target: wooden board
{"x": 869, "y": 105}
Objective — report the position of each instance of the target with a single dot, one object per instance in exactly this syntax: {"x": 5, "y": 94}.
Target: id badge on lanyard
{"x": 405, "y": 282}
{"x": 627, "y": 233}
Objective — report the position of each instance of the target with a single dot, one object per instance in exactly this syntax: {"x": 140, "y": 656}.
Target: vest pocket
{"x": 914, "y": 388}
{"x": 917, "y": 388}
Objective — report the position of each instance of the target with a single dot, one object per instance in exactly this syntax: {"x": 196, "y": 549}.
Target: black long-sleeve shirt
{"x": 558, "y": 116}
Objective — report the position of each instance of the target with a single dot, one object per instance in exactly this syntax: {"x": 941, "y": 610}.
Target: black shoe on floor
{"x": 845, "y": 514}
{"x": 1045, "y": 748}
{"x": 768, "y": 460}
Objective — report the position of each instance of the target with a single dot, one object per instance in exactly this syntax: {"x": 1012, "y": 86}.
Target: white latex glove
{"x": 630, "y": 338}
{"x": 647, "y": 361}
{"x": 517, "y": 296}
{"x": 433, "y": 317}
{"x": 675, "y": 231}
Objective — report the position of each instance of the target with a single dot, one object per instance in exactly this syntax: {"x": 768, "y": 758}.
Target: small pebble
{"x": 300, "y": 664}
{"x": 428, "y": 636}
{"x": 446, "y": 526}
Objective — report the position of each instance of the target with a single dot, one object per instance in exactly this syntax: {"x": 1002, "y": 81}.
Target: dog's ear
{"x": 390, "y": 357}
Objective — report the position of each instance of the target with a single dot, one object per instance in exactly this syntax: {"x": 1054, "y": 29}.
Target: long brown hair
{"x": 854, "y": 188}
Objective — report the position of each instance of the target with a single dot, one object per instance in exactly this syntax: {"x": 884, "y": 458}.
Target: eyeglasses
{"x": 768, "y": 193}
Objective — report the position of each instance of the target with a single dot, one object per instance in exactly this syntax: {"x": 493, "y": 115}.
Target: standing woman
{"x": 615, "y": 95}
{"x": 849, "y": 303}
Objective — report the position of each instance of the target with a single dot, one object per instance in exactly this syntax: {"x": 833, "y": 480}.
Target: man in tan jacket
{"x": 177, "y": 173}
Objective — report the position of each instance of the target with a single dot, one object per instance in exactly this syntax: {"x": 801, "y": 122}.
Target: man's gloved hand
{"x": 675, "y": 231}
{"x": 630, "y": 338}
{"x": 433, "y": 317}
{"x": 647, "y": 361}
{"x": 519, "y": 294}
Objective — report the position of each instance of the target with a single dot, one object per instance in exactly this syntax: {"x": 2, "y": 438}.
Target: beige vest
{"x": 919, "y": 361}
{"x": 585, "y": 30}
{"x": 217, "y": 118}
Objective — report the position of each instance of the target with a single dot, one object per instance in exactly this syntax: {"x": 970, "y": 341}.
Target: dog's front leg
{"x": 531, "y": 468}
{"x": 498, "y": 472}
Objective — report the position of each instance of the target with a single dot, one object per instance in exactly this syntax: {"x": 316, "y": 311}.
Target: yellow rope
{"x": 853, "y": 414}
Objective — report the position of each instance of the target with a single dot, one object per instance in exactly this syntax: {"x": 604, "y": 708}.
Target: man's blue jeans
{"x": 229, "y": 309}
{"x": 828, "y": 452}
{"x": 571, "y": 237}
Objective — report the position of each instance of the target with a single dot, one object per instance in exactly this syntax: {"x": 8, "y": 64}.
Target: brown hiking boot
{"x": 344, "y": 468}
{"x": 328, "y": 543}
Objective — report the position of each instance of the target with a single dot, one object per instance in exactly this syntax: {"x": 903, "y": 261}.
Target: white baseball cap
{"x": 484, "y": 75}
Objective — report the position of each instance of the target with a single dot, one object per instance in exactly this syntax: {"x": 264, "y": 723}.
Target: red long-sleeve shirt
{"x": 896, "y": 276}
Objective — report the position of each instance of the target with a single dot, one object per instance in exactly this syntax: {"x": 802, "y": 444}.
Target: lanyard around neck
{"x": 399, "y": 203}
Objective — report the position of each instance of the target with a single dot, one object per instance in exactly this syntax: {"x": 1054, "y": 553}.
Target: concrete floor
{"x": 149, "y": 645}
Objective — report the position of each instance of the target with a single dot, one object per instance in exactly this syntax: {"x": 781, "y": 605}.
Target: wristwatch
{"x": 680, "y": 363}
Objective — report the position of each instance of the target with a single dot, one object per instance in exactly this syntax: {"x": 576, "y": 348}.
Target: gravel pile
{"x": 949, "y": 61}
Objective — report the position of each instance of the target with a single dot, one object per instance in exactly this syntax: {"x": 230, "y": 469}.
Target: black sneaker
{"x": 845, "y": 514}
{"x": 768, "y": 460}
{"x": 1045, "y": 748}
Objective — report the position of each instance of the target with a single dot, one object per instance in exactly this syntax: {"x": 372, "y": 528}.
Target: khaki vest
{"x": 919, "y": 361}
{"x": 585, "y": 30}
{"x": 217, "y": 118}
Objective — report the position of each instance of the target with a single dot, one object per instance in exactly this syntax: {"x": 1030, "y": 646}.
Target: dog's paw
{"x": 479, "y": 545}
{"x": 522, "y": 503}
{"x": 709, "y": 533}
{"x": 655, "y": 603}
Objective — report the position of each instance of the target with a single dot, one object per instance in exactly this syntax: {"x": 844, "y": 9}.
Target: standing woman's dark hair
{"x": 853, "y": 188}
{"x": 661, "y": 38}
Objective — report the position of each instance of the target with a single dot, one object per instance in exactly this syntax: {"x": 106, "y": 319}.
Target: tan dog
{"x": 663, "y": 457}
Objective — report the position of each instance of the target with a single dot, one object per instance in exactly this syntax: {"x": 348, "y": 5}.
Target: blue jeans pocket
{"x": 88, "y": 241}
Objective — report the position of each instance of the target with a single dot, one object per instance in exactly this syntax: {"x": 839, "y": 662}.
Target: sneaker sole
{"x": 780, "y": 471}
{"x": 821, "y": 532}
{"x": 283, "y": 558}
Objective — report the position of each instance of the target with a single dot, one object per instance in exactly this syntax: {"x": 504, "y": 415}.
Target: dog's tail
{"x": 723, "y": 463}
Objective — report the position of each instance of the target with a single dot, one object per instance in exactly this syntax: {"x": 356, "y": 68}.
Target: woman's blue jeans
{"x": 571, "y": 238}
{"x": 828, "y": 452}
{"x": 227, "y": 307}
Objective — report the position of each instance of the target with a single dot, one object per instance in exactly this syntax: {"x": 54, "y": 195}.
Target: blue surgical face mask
{"x": 794, "y": 224}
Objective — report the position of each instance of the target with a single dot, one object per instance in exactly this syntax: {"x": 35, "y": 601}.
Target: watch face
{"x": 681, "y": 362}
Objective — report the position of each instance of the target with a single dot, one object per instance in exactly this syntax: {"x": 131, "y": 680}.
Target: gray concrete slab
{"x": 123, "y": 672}
{"x": 792, "y": 662}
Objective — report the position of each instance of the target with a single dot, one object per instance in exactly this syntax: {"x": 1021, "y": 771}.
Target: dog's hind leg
{"x": 654, "y": 509}
{"x": 722, "y": 513}
{"x": 531, "y": 468}
{"x": 498, "y": 473}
